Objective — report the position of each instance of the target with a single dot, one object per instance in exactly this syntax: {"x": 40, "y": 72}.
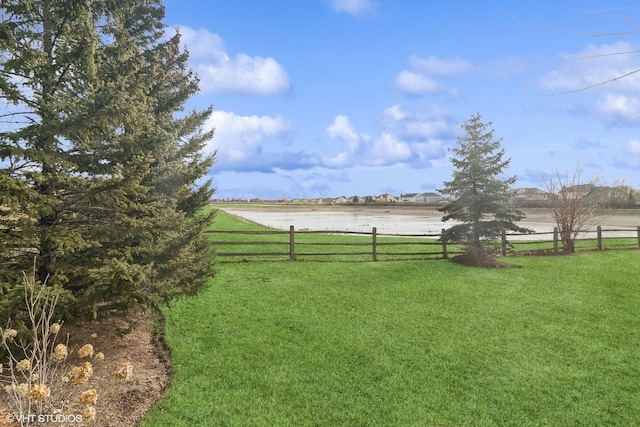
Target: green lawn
{"x": 310, "y": 246}
{"x": 552, "y": 341}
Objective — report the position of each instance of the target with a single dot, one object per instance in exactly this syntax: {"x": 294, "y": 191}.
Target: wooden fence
{"x": 381, "y": 245}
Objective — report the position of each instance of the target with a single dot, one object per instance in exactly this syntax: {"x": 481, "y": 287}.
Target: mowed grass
{"x": 274, "y": 245}
{"x": 551, "y": 341}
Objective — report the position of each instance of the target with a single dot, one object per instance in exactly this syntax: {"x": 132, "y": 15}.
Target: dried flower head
{"x": 35, "y": 376}
{"x": 88, "y": 397}
{"x": 23, "y": 365}
{"x": 85, "y": 351}
{"x": 60, "y": 352}
{"x": 0, "y": 368}
{"x": 19, "y": 389}
{"x": 80, "y": 374}
{"x": 65, "y": 379}
{"x": 94, "y": 335}
{"x": 124, "y": 371}
{"x": 89, "y": 414}
{"x": 9, "y": 333}
{"x": 55, "y": 328}
{"x": 37, "y": 392}
{"x": 99, "y": 356}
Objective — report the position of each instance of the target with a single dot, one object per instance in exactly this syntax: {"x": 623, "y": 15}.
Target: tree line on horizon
{"x": 620, "y": 196}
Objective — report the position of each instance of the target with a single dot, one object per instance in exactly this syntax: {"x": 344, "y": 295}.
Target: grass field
{"x": 310, "y": 246}
{"x": 551, "y": 341}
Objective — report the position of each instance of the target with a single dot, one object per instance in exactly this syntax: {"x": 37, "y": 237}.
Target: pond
{"x": 386, "y": 222}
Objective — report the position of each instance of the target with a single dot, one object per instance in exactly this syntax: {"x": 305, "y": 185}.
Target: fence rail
{"x": 374, "y": 248}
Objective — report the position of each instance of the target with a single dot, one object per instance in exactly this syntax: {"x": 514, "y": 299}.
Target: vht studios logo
{"x": 43, "y": 418}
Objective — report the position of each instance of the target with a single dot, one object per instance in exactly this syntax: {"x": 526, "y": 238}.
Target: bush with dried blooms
{"x": 37, "y": 376}
{"x": 33, "y": 358}
{"x": 124, "y": 371}
{"x": 89, "y": 397}
{"x": 85, "y": 351}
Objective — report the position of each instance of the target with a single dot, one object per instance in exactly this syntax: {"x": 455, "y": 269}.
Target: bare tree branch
{"x": 573, "y": 203}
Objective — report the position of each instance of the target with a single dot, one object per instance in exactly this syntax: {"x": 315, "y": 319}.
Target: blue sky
{"x": 325, "y": 98}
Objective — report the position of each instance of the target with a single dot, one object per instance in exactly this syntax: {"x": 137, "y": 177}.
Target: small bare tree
{"x": 573, "y": 202}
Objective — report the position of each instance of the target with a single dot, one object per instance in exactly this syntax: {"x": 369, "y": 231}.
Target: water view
{"x": 394, "y": 223}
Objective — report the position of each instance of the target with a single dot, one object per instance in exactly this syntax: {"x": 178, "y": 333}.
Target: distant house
{"x": 341, "y": 200}
{"x": 386, "y": 198}
{"x": 615, "y": 197}
{"x": 426, "y": 198}
{"x": 529, "y": 194}
{"x": 578, "y": 191}
{"x": 408, "y": 198}
{"x": 611, "y": 193}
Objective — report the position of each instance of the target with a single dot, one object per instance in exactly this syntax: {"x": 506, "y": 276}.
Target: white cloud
{"x": 432, "y": 123}
{"x": 239, "y": 139}
{"x": 620, "y": 109}
{"x": 341, "y": 128}
{"x": 595, "y": 65}
{"x": 406, "y": 137}
{"x": 597, "y": 70}
{"x": 434, "y": 66}
{"x": 241, "y": 74}
{"x": 427, "y": 151}
{"x": 388, "y": 150}
{"x": 357, "y": 8}
{"x": 342, "y": 159}
{"x": 394, "y": 113}
{"x": 417, "y": 84}
{"x": 633, "y": 147}
{"x": 632, "y": 157}
{"x": 419, "y": 79}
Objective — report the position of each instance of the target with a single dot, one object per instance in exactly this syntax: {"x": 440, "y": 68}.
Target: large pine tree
{"x": 101, "y": 176}
{"x": 479, "y": 197}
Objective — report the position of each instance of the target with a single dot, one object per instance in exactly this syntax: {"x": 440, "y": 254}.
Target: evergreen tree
{"x": 45, "y": 60}
{"x": 480, "y": 197}
{"x": 123, "y": 224}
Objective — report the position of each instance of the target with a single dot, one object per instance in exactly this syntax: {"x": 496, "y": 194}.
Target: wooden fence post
{"x": 374, "y": 236}
{"x": 504, "y": 243}
{"x": 445, "y": 255}
{"x": 599, "y": 231}
{"x": 555, "y": 240}
{"x": 292, "y": 243}
{"x": 639, "y": 236}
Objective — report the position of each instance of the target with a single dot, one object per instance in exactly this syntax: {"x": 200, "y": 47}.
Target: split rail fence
{"x": 297, "y": 245}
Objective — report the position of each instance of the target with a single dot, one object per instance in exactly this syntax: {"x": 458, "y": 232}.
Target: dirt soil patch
{"x": 122, "y": 339}
{"x": 484, "y": 262}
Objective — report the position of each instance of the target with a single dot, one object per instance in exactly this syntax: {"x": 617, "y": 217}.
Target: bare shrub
{"x": 38, "y": 377}
{"x": 573, "y": 201}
